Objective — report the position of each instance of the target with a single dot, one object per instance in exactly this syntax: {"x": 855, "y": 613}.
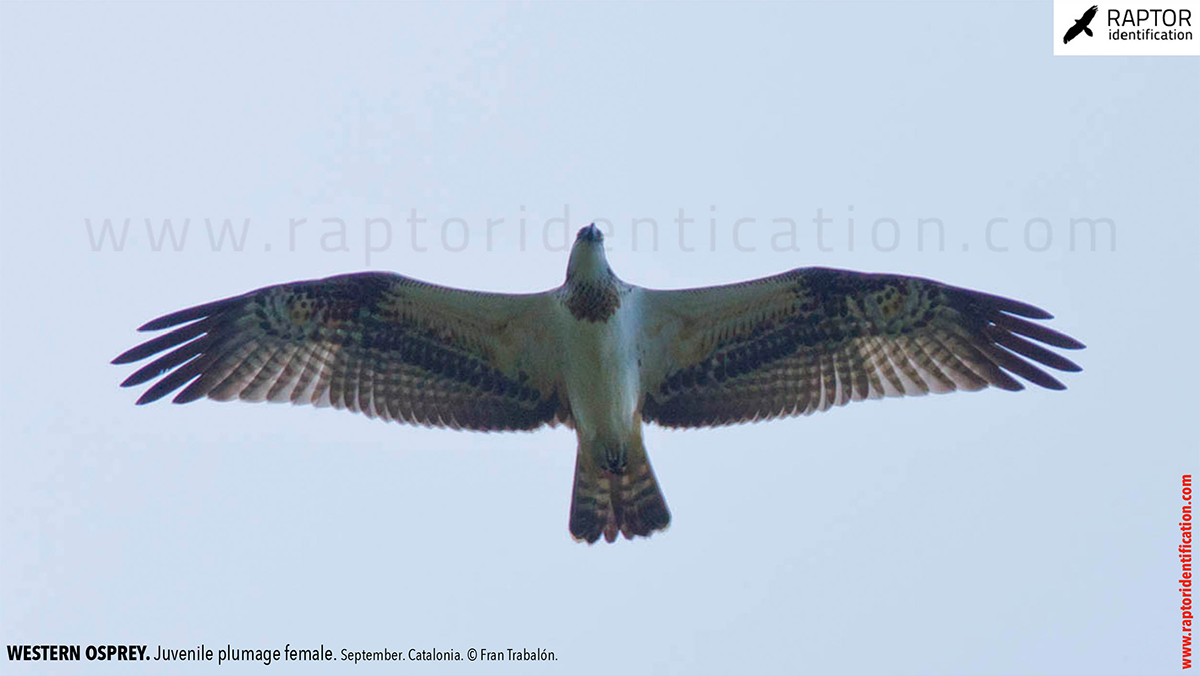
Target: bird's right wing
{"x": 377, "y": 343}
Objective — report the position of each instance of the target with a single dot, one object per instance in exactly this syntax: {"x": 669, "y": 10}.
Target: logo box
{"x": 1127, "y": 28}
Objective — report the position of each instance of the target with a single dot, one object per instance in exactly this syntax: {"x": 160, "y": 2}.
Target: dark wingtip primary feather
{"x": 1009, "y": 305}
{"x": 1031, "y": 350}
{"x": 166, "y": 341}
{"x": 167, "y": 362}
{"x": 1014, "y": 364}
{"x": 187, "y": 397}
{"x": 145, "y": 399}
{"x": 135, "y": 353}
{"x": 176, "y": 379}
{"x": 202, "y": 320}
{"x": 1008, "y": 313}
{"x": 136, "y": 379}
{"x": 186, "y": 315}
{"x": 1008, "y": 383}
{"x": 184, "y": 345}
{"x": 1005, "y": 323}
{"x": 1036, "y": 331}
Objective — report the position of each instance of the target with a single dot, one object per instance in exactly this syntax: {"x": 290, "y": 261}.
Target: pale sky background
{"x": 988, "y": 533}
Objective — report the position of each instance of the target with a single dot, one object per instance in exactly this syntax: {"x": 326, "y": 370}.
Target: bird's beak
{"x": 590, "y": 234}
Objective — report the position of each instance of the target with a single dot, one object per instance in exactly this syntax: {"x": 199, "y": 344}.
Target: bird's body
{"x": 600, "y": 370}
{"x": 615, "y": 488}
{"x": 599, "y": 355}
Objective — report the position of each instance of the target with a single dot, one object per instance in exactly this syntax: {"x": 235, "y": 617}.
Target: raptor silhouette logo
{"x": 1081, "y": 26}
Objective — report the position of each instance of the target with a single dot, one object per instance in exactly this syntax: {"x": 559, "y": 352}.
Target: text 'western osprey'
{"x": 599, "y": 355}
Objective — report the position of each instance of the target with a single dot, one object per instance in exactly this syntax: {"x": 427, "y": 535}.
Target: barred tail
{"x": 606, "y": 502}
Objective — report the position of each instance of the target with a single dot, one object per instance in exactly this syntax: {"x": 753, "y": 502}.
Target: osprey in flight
{"x": 598, "y": 355}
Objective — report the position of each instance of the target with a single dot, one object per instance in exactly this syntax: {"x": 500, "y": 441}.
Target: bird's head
{"x": 587, "y": 256}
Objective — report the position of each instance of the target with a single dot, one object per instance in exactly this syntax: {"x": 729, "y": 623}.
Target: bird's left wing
{"x": 376, "y": 343}
{"x": 813, "y": 338}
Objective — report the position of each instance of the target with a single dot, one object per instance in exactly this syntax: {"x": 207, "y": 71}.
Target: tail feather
{"x": 606, "y": 503}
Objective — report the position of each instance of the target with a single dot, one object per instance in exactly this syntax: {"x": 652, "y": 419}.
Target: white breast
{"x": 601, "y": 370}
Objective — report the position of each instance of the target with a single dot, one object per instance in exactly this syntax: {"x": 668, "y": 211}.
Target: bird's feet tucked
{"x": 616, "y": 458}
